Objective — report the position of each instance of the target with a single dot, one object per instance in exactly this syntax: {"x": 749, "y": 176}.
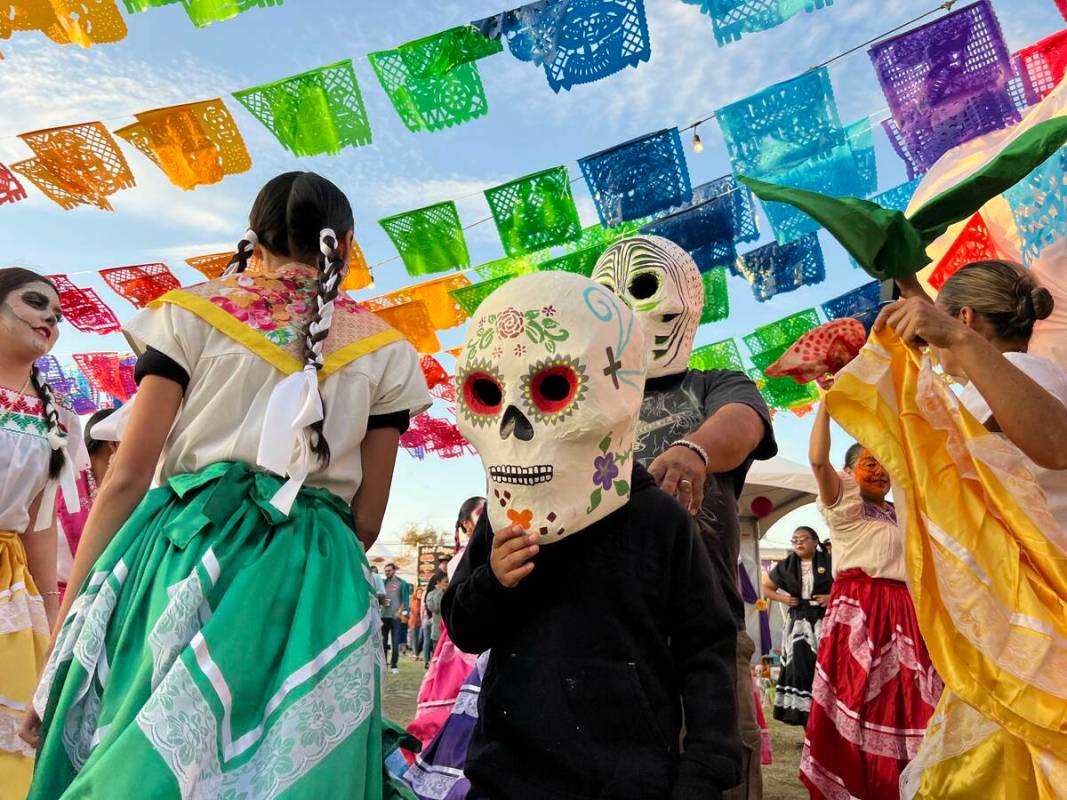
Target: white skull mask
{"x": 550, "y": 385}
{"x": 662, "y": 284}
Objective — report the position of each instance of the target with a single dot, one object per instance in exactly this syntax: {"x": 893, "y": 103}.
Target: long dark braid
{"x": 51, "y": 415}
{"x": 303, "y": 216}
{"x": 331, "y": 271}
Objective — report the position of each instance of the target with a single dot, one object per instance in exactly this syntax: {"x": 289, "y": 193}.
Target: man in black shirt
{"x": 699, "y": 432}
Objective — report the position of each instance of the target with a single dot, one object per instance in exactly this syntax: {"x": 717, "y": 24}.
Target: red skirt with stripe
{"x": 874, "y": 691}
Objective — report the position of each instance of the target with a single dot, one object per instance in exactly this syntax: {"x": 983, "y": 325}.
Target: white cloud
{"x": 45, "y": 86}
{"x": 405, "y": 192}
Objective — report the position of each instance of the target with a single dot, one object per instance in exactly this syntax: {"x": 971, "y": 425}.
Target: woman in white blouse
{"x": 980, "y": 329}
{"x": 34, "y": 434}
{"x": 1008, "y": 738}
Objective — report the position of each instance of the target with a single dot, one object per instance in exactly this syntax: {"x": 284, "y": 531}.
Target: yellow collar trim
{"x": 263, "y": 347}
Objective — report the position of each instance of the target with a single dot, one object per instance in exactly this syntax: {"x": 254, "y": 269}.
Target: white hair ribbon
{"x": 284, "y": 445}
{"x": 249, "y": 241}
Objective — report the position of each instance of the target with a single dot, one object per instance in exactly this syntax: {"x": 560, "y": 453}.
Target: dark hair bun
{"x": 1041, "y": 302}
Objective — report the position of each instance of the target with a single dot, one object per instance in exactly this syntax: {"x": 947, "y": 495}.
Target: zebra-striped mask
{"x": 662, "y": 284}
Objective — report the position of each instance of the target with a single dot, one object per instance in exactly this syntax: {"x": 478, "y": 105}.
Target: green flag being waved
{"x": 890, "y": 245}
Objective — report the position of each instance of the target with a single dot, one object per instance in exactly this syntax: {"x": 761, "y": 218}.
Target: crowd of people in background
{"x": 586, "y": 639}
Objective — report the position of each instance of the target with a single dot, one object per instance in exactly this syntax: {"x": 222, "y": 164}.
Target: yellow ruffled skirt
{"x": 987, "y": 569}
{"x": 23, "y": 650}
{"x": 965, "y": 754}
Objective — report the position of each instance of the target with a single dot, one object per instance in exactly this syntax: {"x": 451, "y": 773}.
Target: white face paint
{"x": 662, "y": 284}
{"x": 29, "y": 317}
{"x": 550, "y": 385}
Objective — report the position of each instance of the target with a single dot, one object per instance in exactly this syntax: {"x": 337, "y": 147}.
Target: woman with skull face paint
{"x": 36, "y": 434}
{"x": 875, "y": 687}
{"x": 802, "y": 582}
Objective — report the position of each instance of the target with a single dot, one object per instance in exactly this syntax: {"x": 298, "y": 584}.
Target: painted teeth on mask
{"x": 522, "y": 476}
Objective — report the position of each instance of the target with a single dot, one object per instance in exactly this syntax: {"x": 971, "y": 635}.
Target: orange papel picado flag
{"x": 65, "y": 21}
{"x": 195, "y": 144}
{"x": 76, "y": 165}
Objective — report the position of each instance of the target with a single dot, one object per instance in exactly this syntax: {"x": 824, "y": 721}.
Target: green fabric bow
{"x": 889, "y": 245}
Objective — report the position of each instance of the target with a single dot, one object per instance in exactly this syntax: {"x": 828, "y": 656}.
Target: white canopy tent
{"x": 788, "y": 486}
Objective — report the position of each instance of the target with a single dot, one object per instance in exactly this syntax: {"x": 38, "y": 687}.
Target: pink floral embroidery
{"x": 268, "y": 303}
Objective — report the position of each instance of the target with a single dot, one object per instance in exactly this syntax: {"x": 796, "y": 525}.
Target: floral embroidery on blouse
{"x": 877, "y": 513}
{"x": 274, "y": 304}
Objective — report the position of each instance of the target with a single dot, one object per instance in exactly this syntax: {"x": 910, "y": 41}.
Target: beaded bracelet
{"x": 696, "y": 448}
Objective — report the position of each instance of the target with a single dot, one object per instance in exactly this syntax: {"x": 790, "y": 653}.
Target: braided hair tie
{"x": 245, "y": 248}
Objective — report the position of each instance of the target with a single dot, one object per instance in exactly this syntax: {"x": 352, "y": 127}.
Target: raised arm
{"x": 378, "y": 453}
{"x": 819, "y": 457}
{"x": 1033, "y": 419}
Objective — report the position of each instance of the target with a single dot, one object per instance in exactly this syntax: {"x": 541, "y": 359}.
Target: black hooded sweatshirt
{"x": 618, "y": 629}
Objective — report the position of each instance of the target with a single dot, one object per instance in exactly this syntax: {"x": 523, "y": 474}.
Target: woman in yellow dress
{"x": 34, "y": 433}
{"x": 982, "y": 483}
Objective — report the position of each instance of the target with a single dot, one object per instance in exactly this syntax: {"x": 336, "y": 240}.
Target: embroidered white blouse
{"x": 223, "y": 415}
{"x": 26, "y": 455}
{"x": 864, "y": 535}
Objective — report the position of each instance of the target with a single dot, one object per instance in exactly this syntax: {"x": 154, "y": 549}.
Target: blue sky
{"x": 165, "y": 60}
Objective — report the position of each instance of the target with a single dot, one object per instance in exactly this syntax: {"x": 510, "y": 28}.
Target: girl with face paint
{"x": 801, "y": 581}
{"x": 870, "y": 614}
{"x": 34, "y": 435}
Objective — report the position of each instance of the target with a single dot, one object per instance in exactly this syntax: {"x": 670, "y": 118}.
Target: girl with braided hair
{"x": 34, "y": 432}
{"x": 225, "y": 642}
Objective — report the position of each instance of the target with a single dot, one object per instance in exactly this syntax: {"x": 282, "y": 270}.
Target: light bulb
{"x": 698, "y": 144}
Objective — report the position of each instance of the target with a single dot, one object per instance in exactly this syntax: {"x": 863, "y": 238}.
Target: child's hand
{"x": 512, "y": 550}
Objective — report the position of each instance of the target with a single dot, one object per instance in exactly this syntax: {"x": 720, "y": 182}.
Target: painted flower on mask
{"x": 522, "y": 518}
{"x": 605, "y": 471}
{"x": 510, "y": 323}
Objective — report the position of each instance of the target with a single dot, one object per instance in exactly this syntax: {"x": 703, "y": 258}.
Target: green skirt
{"x": 219, "y": 650}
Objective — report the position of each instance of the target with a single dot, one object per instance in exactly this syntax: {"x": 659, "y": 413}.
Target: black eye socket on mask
{"x": 643, "y": 285}
{"x": 487, "y": 392}
{"x": 555, "y": 388}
